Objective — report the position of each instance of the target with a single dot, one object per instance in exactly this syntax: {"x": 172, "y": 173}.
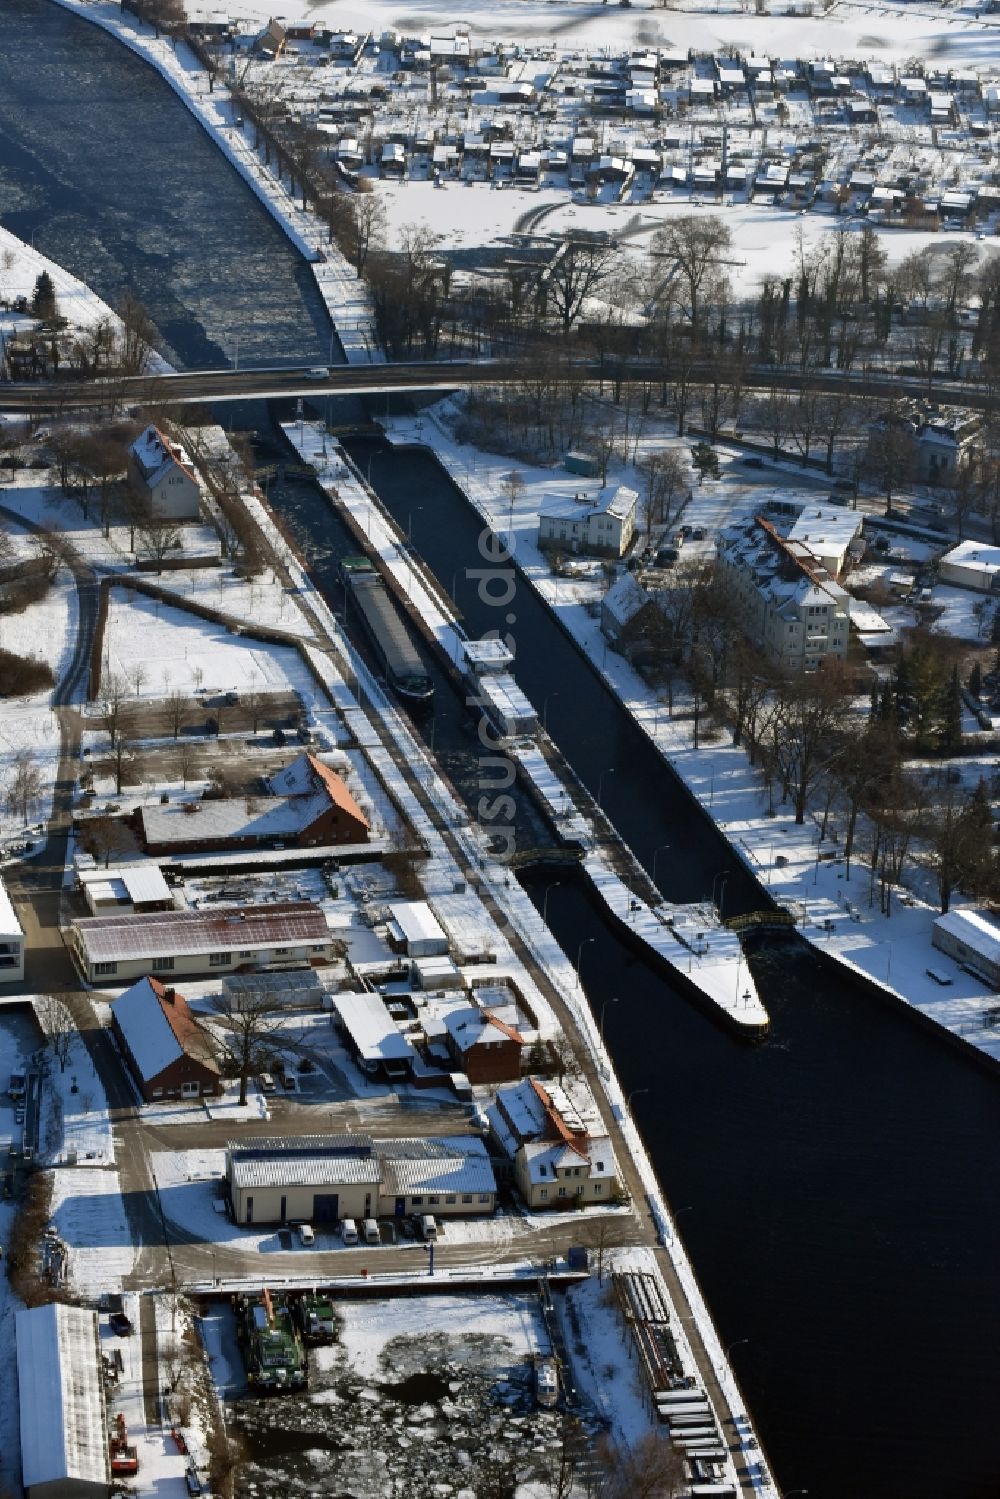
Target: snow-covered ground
{"x": 765, "y": 239}
{"x": 21, "y": 265}
{"x": 89, "y": 1216}
{"x": 174, "y": 651}
{"x": 75, "y": 1122}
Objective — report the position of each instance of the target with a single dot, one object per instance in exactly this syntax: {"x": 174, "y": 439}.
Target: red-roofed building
{"x": 487, "y": 1049}
{"x": 167, "y": 1051}
{"x": 559, "y": 1156}
{"x": 308, "y": 805}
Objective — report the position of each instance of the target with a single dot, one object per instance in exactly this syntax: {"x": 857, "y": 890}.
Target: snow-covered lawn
{"x": 174, "y": 651}
{"x": 45, "y": 630}
{"x": 76, "y": 1122}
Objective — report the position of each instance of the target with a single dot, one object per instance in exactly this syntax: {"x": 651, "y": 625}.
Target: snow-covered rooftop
{"x": 63, "y": 1440}
{"x": 172, "y": 933}
{"x": 159, "y": 1028}
{"x": 972, "y": 928}
{"x": 372, "y": 1028}
{"x": 419, "y": 926}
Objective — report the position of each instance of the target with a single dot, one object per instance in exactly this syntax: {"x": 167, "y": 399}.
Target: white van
{"x": 428, "y": 1228}
{"x": 306, "y": 1235}
{"x": 349, "y": 1231}
{"x": 267, "y": 1083}
{"x": 369, "y": 1229}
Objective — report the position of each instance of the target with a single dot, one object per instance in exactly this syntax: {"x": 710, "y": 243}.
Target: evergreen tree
{"x": 976, "y": 680}
{"x": 43, "y": 298}
{"x": 951, "y": 718}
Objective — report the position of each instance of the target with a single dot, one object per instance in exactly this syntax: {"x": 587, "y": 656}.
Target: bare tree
{"x": 651, "y": 1469}
{"x": 24, "y": 787}
{"x": 104, "y": 836}
{"x": 247, "y": 1016}
{"x": 697, "y": 245}
{"x": 186, "y": 759}
{"x": 579, "y": 271}
{"x": 138, "y": 331}
{"x": 57, "y": 1027}
{"x": 157, "y": 535}
{"x": 666, "y": 475}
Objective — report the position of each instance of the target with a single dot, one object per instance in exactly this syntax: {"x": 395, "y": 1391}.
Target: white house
{"x": 11, "y": 942}
{"x": 561, "y": 1153}
{"x": 283, "y": 934}
{"x": 161, "y": 473}
{"x": 604, "y": 525}
{"x": 971, "y": 564}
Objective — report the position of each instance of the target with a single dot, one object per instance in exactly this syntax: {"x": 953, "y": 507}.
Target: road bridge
{"x": 417, "y": 376}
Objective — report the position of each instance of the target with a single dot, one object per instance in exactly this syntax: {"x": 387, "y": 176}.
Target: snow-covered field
{"x": 888, "y": 31}
{"x": 174, "y": 651}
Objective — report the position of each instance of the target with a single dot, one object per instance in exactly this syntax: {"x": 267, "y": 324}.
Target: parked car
{"x": 349, "y": 1231}
{"x": 121, "y": 1325}
{"x": 753, "y": 462}
{"x": 193, "y": 1482}
{"x": 306, "y": 1235}
{"x": 318, "y": 372}
{"x": 267, "y": 1083}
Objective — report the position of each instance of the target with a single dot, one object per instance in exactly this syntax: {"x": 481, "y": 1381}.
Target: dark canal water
{"x": 836, "y": 1185}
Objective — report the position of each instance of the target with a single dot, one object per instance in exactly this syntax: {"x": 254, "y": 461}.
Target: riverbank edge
{"x": 883, "y": 992}
{"x": 263, "y": 186}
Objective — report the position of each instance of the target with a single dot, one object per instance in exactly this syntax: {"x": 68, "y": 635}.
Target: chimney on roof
{"x": 169, "y": 995}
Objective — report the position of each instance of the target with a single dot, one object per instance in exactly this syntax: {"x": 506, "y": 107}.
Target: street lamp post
{"x": 545, "y": 899}
{"x": 634, "y": 1094}
{"x": 579, "y": 954}
{"x": 608, "y": 771}
{"x": 612, "y": 999}
{"x": 739, "y": 1342}
{"x": 722, "y": 875}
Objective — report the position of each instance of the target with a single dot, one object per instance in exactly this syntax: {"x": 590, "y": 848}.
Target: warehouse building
{"x": 64, "y": 1440}
{"x": 322, "y": 1178}
{"x": 167, "y": 1051}
{"x": 284, "y": 934}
